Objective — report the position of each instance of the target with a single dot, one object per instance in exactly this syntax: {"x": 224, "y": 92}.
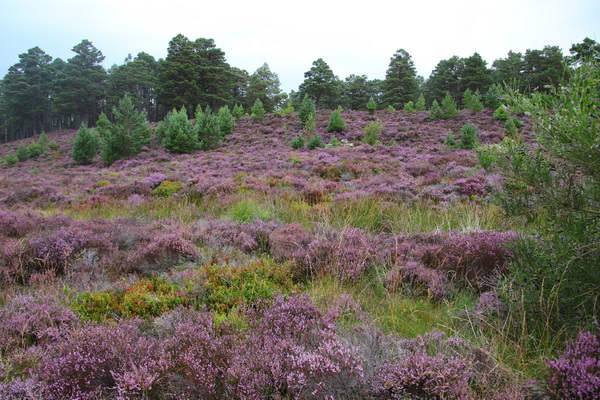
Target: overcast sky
{"x": 352, "y": 37}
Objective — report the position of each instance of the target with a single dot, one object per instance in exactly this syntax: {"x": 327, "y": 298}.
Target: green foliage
{"x": 53, "y": 145}
{"x": 336, "y": 122}
{"x": 297, "y": 142}
{"x": 321, "y": 85}
{"x": 307, "y": 110}
{"x": 22, "y": 154}
{"x": 334, "y": 142}
{"x": 167, "y": 188}
{"x": 34, "y": 149}
{"x": 209, "y": 131}
{"x": 371, "y": 132}
{"x": 450, "y": 140}
{"x": 468, "y": 137}
{"x": 492, "y": 98}
{"x": 420, "y": 105}
{"x": 400, "y": 85}
{"x": 557, "y": 181}
{"x": 126, "y": 137}
{"x": 85, "y": 146}
{"x": 177, "y": 132}
{"x": 11, "y": 158}
{"x": 409, "y": 107}
{"x": 390, "y": 108}
{"x": 264, "y": 84}
{"x": 472, "y": 101}
{"x": 238, "y": 112}
{"x": 289, "y": 108}
{"x": 43, "y": 141}
{"x": 258, "y": 111}
{"x": 315, "y": 141}
{"x": 449, "y": 110}
{"x": 510, "y": 127}
{"x": 248, "y": 210}
{"x": 501, "y": 113}
{"x": 435, "y": 112}
{"x": 371, "y": 105}
{"x": 225, "y": 121}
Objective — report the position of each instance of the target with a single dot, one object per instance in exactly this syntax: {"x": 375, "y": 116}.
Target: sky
{"x": 352, "y": 37}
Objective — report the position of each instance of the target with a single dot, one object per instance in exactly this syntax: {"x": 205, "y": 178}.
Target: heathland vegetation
{"x": 358, "y": 239}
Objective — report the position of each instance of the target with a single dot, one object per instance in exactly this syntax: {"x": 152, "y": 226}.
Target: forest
{"x": 181, "y": 229}
{"x": 40, "y": 93}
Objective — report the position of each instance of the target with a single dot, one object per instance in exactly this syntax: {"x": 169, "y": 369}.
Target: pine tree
{"x": 22, "y": 154}
{"x": 264, "y": 84}
{"x": 208, "y": 130}
{"x": 321, "y": 84}
{"x": 449, "y": 109}
{"x": 420, "y": 105}
{"x": 226, "y": 122}
{"x": 179, "y": 134}
{"x": 258, "y": 111}
{"x": 468, "y": 137}
{"x": 336, "y": 122}
{"x": 85, "y": 146}
{"x": 400, "y": 85}
{"x": 307, "y": 110}
{"x": 371, "y": 106}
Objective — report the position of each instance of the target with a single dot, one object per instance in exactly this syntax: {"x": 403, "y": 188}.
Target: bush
{"x": 177, "y": 132}
{"x": 371, "y": 132}
{"x": 409, "y": 107}
{"x": 468, "y": 137}
{"x": 238, "y": 112}
{"x": 510, "y": 128}
{"x": 371, "y": 106}
{"x": 336, "y": 122}
{"x": 43, "y": 141}
{"x": 435, "y": 112}
{"x": 307, "y": 110}
{"x": 420, "y": 105}
{"x": 472, "y": 101}
{"x": 449, "y": 110}
{"x": 297, "y": 142}
{"x": 167, "y": 188}
{"x": 85, "y": 146}
{"x": 11, "y": 158}
{"x": 492, "y": 98}
{"x": 208, "y": 129}
{"x": 575, "y": 374}
{"x": 501, "y": 113}
{"x": 34, "y": 150}
{"x": 450, "y": 140}
{"x": 22, "y": 154}
{"x": 258, "y": 110}
{"x": 315, "y": 141}
{"x": 225, "y": 120}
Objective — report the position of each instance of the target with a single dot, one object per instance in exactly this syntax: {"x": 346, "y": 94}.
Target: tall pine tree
{"x": 400, "y": 85}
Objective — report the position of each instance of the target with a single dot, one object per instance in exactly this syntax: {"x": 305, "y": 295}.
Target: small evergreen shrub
{"x": 167, "y": 188}
{"x": 501, "y": 113}
{"x": 336, "y": 122}
{"x": 307, "y": 109}
{"x": 435, "y": 112}
{"x": 289, "y": 108}
{"x": 390, "y": 108}
{"x": 371, "y": 106}
{"x": 491, "y": 99}
{"x": 177, "y": 132}
{"x": 11, "y": 158}
{"x": 43, "y": 141}
{"x": 315, "y": 141}
{"x": 468, "y": 137}
{"x": 22, "y": 154}
{"x": 85, "y": 146}
{"x": 34, "y": 150}
{"x": 510, "y": 128}
{"x": 450, "y": 140}
{"x": 238, "y": 112}
{"x": 309, "y": 126}
{"x": 297, "y": 142}
{"x": 53, "y": 145}
{"x": 207, "y": 127}
{"x": 225, "y": 120}
{"x": 449, "y": 109}
{"x": 409, "y": 107}
{"x": 258, "y": 110}
{"x": 420, "y": 104}
{"x": 472, "y": 101}
{"x": 371, "y": 132}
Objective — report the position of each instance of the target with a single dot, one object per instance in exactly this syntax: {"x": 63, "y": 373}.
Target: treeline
{"x": 40, "y": 93}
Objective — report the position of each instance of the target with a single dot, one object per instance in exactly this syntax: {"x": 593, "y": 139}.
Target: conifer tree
{"x": 225, "y": 120}
{"x": 258, "y": 111}
{"x": 336, "y": 122}
{"x": 400, "y": 83}
{"x": 420, "y": 104}
{"x": 208, "y": 130}
{"x": 85, "y": 146}
{"x": 179, "y": 135}
{"x": 307, "y": 110}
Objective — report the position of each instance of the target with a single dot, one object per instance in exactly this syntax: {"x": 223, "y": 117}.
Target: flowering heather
{"x": 575, "y": 374}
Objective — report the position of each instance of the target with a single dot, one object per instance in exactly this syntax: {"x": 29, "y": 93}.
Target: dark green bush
{"x": 336, "y": 122}
{"x": 85, "y": 146}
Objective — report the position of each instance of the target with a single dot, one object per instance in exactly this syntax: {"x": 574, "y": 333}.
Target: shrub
{"x": 289, "y": 242}
{"x": 420, "y": 104}
{"x": 85, "y": 146}
{"x": 371, "y": 132}
{"x": 435, "y": 112}
{"x": 449, "y": 109}
{"x": 409, "y": 107}
{"x": 298, "y": 142}
{"x": 371, "y": 106}
{"x": 510, "y": 128}
{"x": 167, "y": 188}
{"x": 492, "y": 98}
{"x": 468, "y": 137}
{"x": 177, "y": 133}
{"x": 336, "y": 122}
{"x": 575, "y": 374}
{"x": 450, "y": 140}
{"x": 52, "y": 145}
{"x": 209, "y": 131}
{"x": 43, "y": 141}
{"x": 501, "y": 113}
{"x": 307, "y": 110}
{"x": 237, "y": 112}
{"x": 289, "y": 108}
{"x": 34, "y": 150}
{"x": 258, "y": 110}
{"x": 22, "y": 154}
{"x": 225, "y": 120}
{"x": 11, "y": 158}
{"x": 315, "y": 141}
{"x": 472, "y": 101}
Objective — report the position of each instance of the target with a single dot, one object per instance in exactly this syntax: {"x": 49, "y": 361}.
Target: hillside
{"x": 260, "y": 271}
